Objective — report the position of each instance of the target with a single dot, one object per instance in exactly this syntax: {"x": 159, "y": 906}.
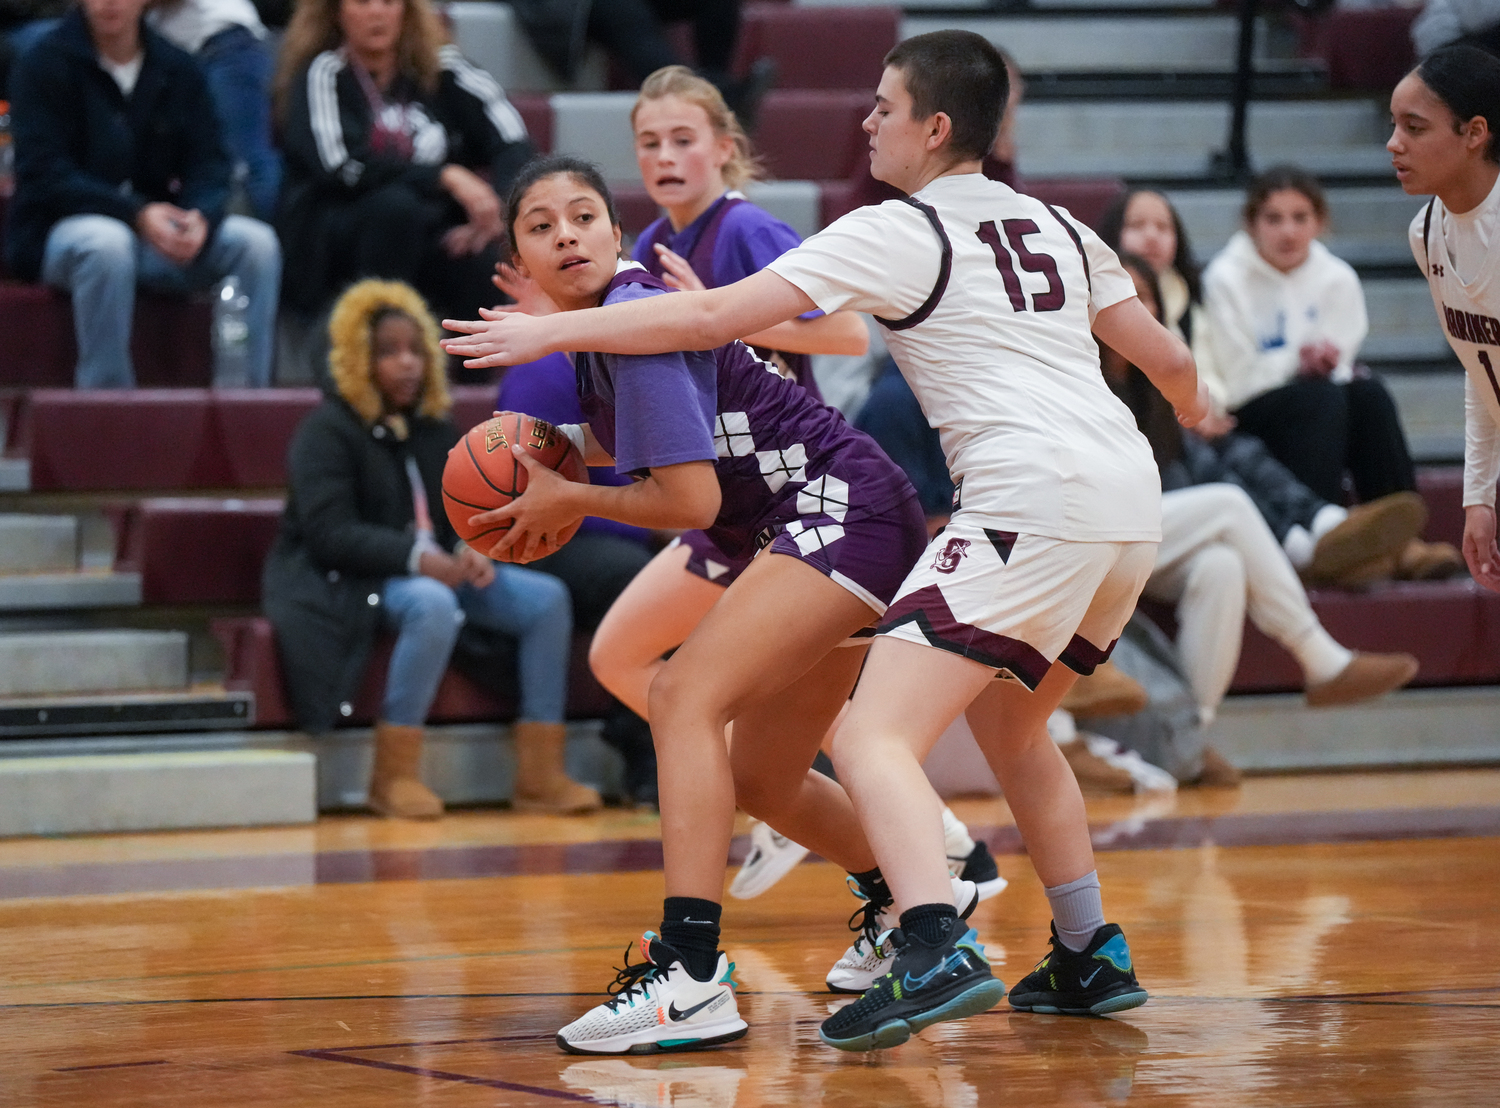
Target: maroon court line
{"x": 638, "y": 855}
{"x": 111, "y": 1066}
{"x": 447, "y": 1075}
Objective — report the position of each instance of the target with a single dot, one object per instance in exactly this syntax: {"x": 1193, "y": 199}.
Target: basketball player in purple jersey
{"x": 718, "y": 440}
{"x": 992, "y": 301}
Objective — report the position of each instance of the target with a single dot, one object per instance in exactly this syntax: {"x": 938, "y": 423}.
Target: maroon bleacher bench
{"x": 251, "y": 664}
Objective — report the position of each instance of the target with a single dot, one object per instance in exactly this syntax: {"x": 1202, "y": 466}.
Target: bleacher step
{"x": 37, "y": 592}
{"x": 15, "y": 475}
{"x": 37, "y": 543}
{"x": 121, "y": 713}
{"x": 155, "y": 791}
{"x": 39, "y": 663}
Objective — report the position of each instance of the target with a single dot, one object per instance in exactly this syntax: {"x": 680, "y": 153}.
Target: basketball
{"x": 482, "y": 473}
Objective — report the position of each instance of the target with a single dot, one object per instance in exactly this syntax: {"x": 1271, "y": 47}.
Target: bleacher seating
{"x": 801, "y": 40}
{"x": 1365, "y": 49}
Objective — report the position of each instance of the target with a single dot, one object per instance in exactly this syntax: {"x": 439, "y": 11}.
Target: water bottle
{"x": 231, "y": 335}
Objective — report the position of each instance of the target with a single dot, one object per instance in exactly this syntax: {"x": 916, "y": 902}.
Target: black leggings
{"x": 1319, "y": 430}
{"x": 631, "y": 31}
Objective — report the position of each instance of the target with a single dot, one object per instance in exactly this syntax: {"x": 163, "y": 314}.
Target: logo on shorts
{"x": 946, "y": 560}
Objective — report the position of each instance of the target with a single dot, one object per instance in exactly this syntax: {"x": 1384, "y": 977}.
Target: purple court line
{"x": 111, "y": 1066}
{"x": 446, "y": 1075}
{"x": 635, "y": 855}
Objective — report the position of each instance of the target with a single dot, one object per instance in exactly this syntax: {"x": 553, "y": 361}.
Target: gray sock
{"x": 1077, "y": 910}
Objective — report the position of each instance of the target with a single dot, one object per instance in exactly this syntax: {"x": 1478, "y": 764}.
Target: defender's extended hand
{"x": 498, "y": 338}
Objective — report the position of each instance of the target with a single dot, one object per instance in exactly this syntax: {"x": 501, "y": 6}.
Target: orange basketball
{"x": 482, "y": 473}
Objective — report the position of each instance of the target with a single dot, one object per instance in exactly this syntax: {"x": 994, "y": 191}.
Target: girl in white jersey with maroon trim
{"x": 1445, "y": 142}
{"x": 990, "y": 298}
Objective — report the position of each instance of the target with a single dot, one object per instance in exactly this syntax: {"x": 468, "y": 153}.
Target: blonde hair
{"x": 314, "y": 28}
{"x": 683, "y": 83}
{"x": 351, "y": 361}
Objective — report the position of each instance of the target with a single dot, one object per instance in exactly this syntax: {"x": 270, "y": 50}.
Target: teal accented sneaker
{"x": 656, "y": 1006}
{"x": 1094, "y": 981}
{"x": 925, "y": 985}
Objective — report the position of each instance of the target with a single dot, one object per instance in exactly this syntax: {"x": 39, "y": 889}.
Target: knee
{"x": 759, "y": 794}
{"x": 1216, "y": 570}
{"x": 253, "y": 243}
{"x": 100, "y": 240}
{"x": 677, "y": 696}
{"x": 430, "y": 608}
{"x": 1235, "y": 506}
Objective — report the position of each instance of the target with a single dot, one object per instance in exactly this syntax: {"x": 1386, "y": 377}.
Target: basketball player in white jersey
{"x": 1445, "y": 143}
{"x": 989, "y": 298}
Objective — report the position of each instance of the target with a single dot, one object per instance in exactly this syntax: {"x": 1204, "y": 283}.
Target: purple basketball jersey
{"x": 779, "y": 454}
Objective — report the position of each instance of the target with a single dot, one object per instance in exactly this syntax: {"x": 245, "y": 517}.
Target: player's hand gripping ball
{"x": 483, "y": 474}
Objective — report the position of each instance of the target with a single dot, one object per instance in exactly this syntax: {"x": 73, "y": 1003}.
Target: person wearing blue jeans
{"x": 122, "y": 179}
{"x": 364, "y": 545}
{"x": 100, "y": 260}
{"x": 229, "y": 42}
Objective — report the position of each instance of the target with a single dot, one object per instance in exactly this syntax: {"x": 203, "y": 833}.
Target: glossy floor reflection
{"x": 1334, "y": 974}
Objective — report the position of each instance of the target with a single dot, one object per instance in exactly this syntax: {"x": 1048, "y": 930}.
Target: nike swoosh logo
{"x": 1083, "y": 982}
{"x": 676, "y": 1016}
{"x": 920, "y": 983}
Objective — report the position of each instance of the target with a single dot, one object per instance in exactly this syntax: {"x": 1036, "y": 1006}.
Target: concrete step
{"x": 38, "y": 592}
{"x": 1431, "y": 406}
{"x": 196, "y": 709}
{"x": 462, "y": 763}
{"x": 38, "y": 663}
{"x": 1367, "y": 225}
{"x": 1403, "y": 324}
{"x": 1165, "y": 140}
{"x": 38, "y": 543}
{"x": 15, "y": 475}
{"x": 1077, "y": 41}
{"x": 155, "y": 791}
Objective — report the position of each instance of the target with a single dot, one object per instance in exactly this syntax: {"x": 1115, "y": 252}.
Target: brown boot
{"x": 1218, "y": 772}
{"x": 1105, "y": 692}
{"x": 1429, "y": 561}
{"x": 1381, "y": 527}
{"x": 542, "y": 785}
{"x": 1095, "y": 775}
{"x": 1364, "y": 678}
{"x": 1361, "y": 577}
{"x": 396, "y": 787}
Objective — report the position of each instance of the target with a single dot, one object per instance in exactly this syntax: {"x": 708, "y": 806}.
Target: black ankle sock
{"x": 929, "y": 922}
{"x": 691, "y": 927}
{"x": 873, "y": 885}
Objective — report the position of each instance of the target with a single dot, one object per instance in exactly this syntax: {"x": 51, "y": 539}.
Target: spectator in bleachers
{"x": 229, "y": 41}
{"x": 396, "y": 148}
{"x": 599, "y": 561}
{"x": 1286, "y": 320}
{"x": 362, "y": 547}
{"x": 122, "y": 179}
{"x": 1218, "y": 562}
{"x": 1316, "y": 535}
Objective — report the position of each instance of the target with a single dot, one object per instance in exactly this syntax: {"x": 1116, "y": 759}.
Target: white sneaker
{"x": 771, "y": 858}
{"x": 657, "y": 1006}
{"x": 660, "y": 1084}
{"x": 869, "y": 957}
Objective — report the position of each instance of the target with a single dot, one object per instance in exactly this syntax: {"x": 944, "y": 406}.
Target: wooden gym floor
{"x": 1312, "y": 940}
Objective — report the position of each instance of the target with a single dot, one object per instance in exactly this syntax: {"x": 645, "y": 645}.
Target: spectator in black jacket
{"x": 121, "y": 178}
{"x": 364, "y": 541}
{"x": 388, "y": 137}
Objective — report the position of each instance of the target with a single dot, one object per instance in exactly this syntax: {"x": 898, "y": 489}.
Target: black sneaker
{"x": 1091, "y": 982}
{"x": 926, "y": 984}
{"x": 979, "y": 867}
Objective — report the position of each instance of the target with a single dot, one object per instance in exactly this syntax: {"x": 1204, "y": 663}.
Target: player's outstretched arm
{"x": 1134, "y": 333}
{"x": 654, "y": 325}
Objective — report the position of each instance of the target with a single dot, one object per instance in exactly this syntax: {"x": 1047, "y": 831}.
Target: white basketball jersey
{"x": 1469, "y": 313}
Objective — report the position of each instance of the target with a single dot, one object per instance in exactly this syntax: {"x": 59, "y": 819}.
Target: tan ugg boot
{"x": 1108, "y": 691}
{"x": 542, "y": 785}
{"x": 396, "y": 787}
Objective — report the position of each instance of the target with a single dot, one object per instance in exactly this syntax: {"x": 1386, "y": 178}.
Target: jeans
{"x": 238, "y": 67}
{"x": 100, "y": 260}
{"x": 426, "y": 615}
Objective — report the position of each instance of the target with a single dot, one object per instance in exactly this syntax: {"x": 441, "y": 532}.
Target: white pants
{"x": 1218, "y": 562}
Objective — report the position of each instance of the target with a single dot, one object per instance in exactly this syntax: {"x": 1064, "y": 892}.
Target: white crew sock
{"x": 1329, "y": 516}
{"x": 956, "y": 841}
{"x": 1301, "y": 542}
{"x": 1320, "y": 656}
